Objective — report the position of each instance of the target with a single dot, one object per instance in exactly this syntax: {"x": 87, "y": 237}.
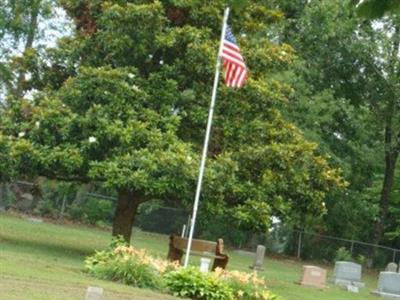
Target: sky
{"x": 50, "y": 30}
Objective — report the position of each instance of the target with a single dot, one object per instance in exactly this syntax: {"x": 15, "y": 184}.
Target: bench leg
{"x": 174, "y": 254}
{"x": 220, "y": 262}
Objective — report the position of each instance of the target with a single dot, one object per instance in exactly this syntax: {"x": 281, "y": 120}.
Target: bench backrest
{"x": 197, "y": 245}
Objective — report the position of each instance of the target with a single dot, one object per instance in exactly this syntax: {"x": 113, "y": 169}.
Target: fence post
{"x": 183, "y": 234}
{"x": 299, "y": 245}
{"x": 63, "y": 206}
{"x": 352, "y": 248}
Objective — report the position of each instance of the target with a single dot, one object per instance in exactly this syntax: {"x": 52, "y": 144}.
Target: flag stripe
{"x": 229, "y": 53}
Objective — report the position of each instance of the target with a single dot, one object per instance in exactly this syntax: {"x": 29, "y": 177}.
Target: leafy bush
{"x": 361, "y": 259}
{"x": 221, "y": 284}
{"x": 46, "y": 209}
{"x": 135, "y": 267}
{"x": 343, "y": 255}
{"x": 98, "y": 210}
{"x": 191, "y": 283}
{"x": 246, "y": 286}
{"x": 92, "y": 211}
{"x": 128, "y": 265}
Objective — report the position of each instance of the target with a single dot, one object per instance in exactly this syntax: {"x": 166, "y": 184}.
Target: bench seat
{"x": 203, "y": 248}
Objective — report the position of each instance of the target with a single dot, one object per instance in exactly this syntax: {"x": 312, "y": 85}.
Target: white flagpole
{"x": 207, "y": 137}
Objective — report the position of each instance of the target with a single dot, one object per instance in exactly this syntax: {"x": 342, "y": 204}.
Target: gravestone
{"x": 391, "y": 267}
{"x": 389, "y": 285}
{"x": 25, "y": 202}
{"x": 313, "y": 276}
{"x": 259, "y": 258}
{"x": 94, "y": 293}
{"x": 347, "y": 273}
{"x": 204, "y": 264}
{"x": 352, "y": 288}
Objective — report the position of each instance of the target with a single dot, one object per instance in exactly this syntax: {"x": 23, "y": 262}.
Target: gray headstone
{"x": 389, "y": 282}
{"x": 391, "y": 267}
{"x": 25, "y": 203}
{"x": 259, "y": 258}
{"x": 94, "y": 293}
{"x": 347, "y": 273}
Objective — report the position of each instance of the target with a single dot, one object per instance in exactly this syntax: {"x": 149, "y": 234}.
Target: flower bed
{"x": 135, "y": 267}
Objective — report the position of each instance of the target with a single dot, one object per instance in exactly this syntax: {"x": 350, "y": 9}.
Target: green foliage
{"x": 221, "y": 284}
{"x": 6, "y": 163}
{"x": 374, "y": 9}
{"x": 335, "y": 103}
{"x": 343, "y": 254}
{"x": 124, "y": 102}
{"x": 135, "y": 267}
{"x": 191, "y": 283}
{"x": 93, "y": 211}
{"x": 361, "y": 259}
{"x": 128, "y": 269}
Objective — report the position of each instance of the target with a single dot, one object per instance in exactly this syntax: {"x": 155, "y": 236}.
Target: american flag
{"x": 235, "y": 68}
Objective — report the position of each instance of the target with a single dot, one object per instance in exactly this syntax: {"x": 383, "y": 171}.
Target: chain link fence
{"x": 96, "y": 208}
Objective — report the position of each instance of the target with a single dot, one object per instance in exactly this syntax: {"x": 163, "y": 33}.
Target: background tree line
{"x": 122, "y": 102}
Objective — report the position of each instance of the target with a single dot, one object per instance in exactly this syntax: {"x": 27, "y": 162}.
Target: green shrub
{"x": 92, "y": 212}
{"x": 46, "y": 209}
{"x": 75, "y": 212}
{"x": 127, "y": 265}
{"x": 129, "y": 271}
{"x": 191, "y": 283}
{"x": 97, "y": 210}
{"x": 135, "y": 267}
{"x": 246, "y": 286}
{"x": 343, "y": 255}
{"x": 361, "y": 259}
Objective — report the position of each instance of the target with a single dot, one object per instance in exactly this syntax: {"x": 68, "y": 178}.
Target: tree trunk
{"x": 32, "y": 30}
{"x": 125, "y": 212}
{"x": 390, "y": 168}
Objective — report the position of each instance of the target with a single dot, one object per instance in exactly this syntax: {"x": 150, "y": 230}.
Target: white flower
{"x": 37, "y": 124}
{"x": 150, "y": 56}
{"x": 323, "y": 204}
{"x": 135, "y": 88}
{"x": 244, "y": 35}
{"x": 131, "y": 76}
{"x": 21, "y": 134}
{"x": 161, "y": 62}
{"x": 92, "y": 139}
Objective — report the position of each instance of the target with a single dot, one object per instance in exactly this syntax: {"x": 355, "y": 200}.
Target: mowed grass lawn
{"x": 44, "y": 261}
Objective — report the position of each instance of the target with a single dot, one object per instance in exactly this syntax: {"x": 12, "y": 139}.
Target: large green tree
{"x": 124, "y": 101}
{"x": 348, "y": 70}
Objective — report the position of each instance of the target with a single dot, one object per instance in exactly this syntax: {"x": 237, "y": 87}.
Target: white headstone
{"x": 389, "y": 284}
{"x": 352, "y": 288}
{"x": 259, "y": 258}
{"x": 391, "y": 267}
{"x": 347, "y": 273}
{"x": 204, "y": 264}
{"x": 94, "y": 293}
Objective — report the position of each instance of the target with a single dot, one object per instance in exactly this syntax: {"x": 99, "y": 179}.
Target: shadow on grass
{"x": 46, "y": 248}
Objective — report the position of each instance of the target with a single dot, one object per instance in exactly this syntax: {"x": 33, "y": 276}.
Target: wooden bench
{"x": 203, "y": 248}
